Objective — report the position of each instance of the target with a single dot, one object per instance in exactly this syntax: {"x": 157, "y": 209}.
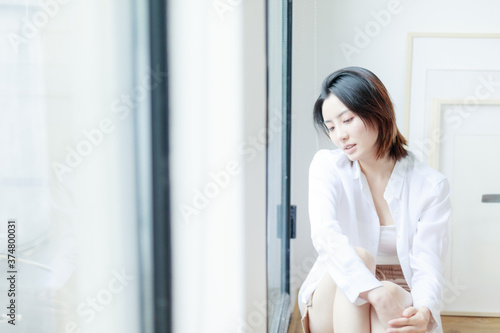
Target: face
{"x": 347, "y": 131}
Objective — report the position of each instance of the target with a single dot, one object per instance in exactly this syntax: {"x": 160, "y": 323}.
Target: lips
{"x": 350, "y": 149}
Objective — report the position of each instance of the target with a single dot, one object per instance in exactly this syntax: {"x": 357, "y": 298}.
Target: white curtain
{"x": 69, "y": 99}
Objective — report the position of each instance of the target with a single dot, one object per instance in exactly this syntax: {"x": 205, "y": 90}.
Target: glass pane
{"x": 278, "y": 186}
{"x": 71, "y": 86}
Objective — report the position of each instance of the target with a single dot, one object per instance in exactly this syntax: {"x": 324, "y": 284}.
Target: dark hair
{"x": 363, "y": 93}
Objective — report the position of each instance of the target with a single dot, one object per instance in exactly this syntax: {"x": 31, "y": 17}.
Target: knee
{"x": 399, "y": 293}
{"x": 366, "y": 257}
{"x": 391, "y": 287}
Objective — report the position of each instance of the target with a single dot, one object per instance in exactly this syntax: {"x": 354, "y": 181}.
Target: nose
{"x": 342, "y": 134}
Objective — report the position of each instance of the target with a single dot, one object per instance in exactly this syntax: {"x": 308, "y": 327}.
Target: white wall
{"x": 320, "y": 27}
{"x": 218, "y": 102}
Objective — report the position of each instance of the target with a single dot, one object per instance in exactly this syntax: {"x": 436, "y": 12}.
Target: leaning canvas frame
{"x": 435, "y": 122}
{"x": 441, "y": 51}
{"x": 441, "y": 56}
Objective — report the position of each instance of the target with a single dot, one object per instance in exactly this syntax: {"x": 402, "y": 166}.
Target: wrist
{"x": 427, "y": 314}
{"x": 374, "y": 296}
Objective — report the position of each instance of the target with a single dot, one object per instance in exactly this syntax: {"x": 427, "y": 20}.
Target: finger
{"x": 400, "y": 322}
{"x": 406, "y": 329}
{"x": 411, "y": 321}
{"x": 408, "y": 312}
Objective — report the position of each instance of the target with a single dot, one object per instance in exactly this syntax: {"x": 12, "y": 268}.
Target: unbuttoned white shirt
{"x": 342, "y": 216}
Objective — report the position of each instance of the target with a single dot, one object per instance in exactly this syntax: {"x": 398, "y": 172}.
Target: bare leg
{"x": 321, "y": 310}
{"x": 328, "y": 304}
{"x": 403, "y": 297}
{"x": 349, "y": 317}
{"x": 376, "y": 325}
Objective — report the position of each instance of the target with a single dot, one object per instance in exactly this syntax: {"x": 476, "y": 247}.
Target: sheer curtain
{"x": 24, "y": 170}
{"x": 72, "y": 85}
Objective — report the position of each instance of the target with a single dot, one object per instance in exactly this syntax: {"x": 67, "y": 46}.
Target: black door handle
{"x": 490, "y": 198}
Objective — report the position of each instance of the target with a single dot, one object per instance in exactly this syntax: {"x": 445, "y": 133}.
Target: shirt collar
{"x": 356, "y": 170}
{"x": 396, "y": 182}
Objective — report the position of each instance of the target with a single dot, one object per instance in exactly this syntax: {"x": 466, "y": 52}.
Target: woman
{"x": 379, "y": 218}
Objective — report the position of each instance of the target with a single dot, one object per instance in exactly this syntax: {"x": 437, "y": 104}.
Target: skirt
{"x": 392, "y": 273}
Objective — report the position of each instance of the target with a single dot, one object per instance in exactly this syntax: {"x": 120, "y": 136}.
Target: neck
{"x": 377, "y": 168}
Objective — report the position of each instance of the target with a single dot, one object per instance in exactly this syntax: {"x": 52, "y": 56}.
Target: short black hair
{"x": 363, "y": 93}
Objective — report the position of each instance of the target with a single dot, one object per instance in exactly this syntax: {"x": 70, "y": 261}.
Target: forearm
{"x": 374, "y": 295}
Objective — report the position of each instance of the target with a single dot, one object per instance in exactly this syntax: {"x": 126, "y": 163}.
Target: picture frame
{"x": 451, "y": 79}
{"x": 454, "y": 52}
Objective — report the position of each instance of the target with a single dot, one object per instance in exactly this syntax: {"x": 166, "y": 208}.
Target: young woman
{"x": 379, "y": 218}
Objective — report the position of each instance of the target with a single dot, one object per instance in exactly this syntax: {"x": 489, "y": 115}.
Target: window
{"x": 280, "y": 214}
{"x": 75, "y": 135}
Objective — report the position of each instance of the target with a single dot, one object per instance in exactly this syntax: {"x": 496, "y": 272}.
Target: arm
{"x": 388, "y": 303}
{"x": 430, "y": 245}
{"x": 427, "y": 255}
{"x": 329, "y": 239}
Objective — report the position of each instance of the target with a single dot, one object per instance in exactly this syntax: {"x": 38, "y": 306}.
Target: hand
{"x": 414, "y": 321}
{"x": 385, "y": 304}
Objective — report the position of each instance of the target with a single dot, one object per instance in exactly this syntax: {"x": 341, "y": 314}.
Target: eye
{"x": 348, "y": 120}
{"x": 330, "y": 129}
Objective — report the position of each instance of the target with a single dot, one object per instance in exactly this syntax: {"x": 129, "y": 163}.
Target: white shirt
{"x": 342, "y": 215}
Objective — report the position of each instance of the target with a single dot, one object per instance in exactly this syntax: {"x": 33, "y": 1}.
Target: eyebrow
{"x": 340, "y": 115}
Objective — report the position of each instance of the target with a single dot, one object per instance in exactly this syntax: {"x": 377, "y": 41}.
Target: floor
{"x": 450, "y": 324}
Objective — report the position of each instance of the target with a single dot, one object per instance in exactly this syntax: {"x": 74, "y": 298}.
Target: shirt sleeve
{"x": 344, "y": 265}
{"x": 430, "y": 245}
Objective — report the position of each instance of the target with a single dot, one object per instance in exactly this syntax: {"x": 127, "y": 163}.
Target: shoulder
{"x": 329, "y": 158}
{"x": 329, "y": 167}
{"x": 423, "y": 173}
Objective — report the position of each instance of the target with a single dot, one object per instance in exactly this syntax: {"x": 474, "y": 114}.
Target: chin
{"x": 352, "y": 158}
